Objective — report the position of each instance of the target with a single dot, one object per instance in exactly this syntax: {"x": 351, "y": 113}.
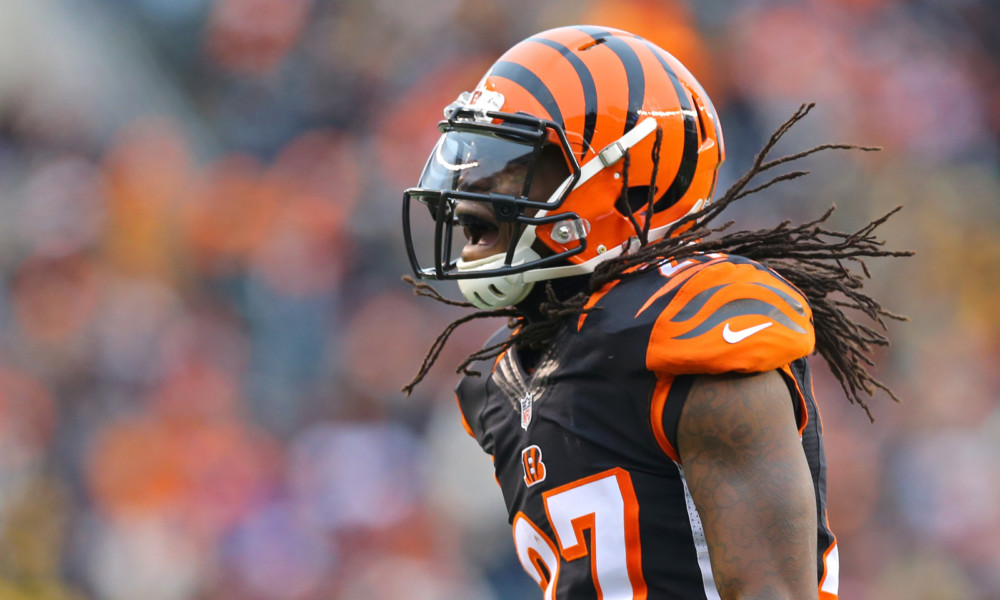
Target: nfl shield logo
{"x": 526, "y": 403}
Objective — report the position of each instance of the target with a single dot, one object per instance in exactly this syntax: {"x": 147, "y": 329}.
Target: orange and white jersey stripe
{"x": 728, "y": 315}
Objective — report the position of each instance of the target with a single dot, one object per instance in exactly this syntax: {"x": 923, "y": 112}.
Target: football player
{"x": 650, "y": 412}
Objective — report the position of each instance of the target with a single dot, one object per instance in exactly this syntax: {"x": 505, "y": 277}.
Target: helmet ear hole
{"x": 634, "y": 200}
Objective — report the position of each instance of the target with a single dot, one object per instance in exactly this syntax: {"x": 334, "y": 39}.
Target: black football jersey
{"x": 584, "y": 443}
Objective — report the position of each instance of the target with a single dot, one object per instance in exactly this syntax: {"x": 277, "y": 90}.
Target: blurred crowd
{"x": 203, "y": 332}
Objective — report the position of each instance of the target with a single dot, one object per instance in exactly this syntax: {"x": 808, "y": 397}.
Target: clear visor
{"x": 478, "y": 163}
{"x": 480, "y": 189}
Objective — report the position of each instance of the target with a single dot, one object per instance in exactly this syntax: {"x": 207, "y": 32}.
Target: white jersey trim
{"x": 700, "y": 543}
{"x": 831, "y": 577}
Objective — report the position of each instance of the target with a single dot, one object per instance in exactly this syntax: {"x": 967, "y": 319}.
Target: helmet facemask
{"x": 495, "y": 177}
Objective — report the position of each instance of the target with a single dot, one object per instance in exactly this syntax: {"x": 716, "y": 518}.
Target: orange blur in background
{"x": 203, "y": 333}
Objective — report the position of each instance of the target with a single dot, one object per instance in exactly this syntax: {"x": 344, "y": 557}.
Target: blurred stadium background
{"x": 203, "y": 332}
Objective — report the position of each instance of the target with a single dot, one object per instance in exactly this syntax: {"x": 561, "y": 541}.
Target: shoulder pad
{"x": 731, "y": 314}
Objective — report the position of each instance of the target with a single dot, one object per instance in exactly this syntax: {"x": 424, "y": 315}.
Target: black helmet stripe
{"x": 633, "y": 70}
{"x": 522, "y": 76}
{"x": 589, "y": 89}
{"x": 689, "y": 160}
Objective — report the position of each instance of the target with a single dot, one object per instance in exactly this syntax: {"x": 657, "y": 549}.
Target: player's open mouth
{"x": 480, "y": 228}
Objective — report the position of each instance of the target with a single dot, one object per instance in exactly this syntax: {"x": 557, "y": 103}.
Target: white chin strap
{"x": 497, "y": 292}
{"x": 489, "y": 293}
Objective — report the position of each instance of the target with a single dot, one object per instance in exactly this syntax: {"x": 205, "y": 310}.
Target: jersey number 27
{"x": 605, "y": 504}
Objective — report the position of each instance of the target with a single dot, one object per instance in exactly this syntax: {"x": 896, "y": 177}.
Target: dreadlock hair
{"x": 814, "y": 259}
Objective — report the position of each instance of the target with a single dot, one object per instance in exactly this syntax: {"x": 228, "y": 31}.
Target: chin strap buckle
{"x": 615, "y": 151}
{"x": 612, "y": 153}
{"x": 569, "y": 230}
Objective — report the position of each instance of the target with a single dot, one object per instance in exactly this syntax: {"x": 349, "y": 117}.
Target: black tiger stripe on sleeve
{"x": 732, "y": 315}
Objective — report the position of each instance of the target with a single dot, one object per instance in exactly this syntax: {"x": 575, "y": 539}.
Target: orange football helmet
{"x": 596, "y": 94}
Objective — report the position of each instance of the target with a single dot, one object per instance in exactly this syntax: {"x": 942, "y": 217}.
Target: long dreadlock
{"x": 809, "y": 256}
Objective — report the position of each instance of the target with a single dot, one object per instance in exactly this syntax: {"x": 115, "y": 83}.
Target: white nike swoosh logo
{"x": 738, "y": 336}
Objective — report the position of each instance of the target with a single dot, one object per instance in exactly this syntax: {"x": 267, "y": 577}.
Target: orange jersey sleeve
{"x": 731, "y": 315}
